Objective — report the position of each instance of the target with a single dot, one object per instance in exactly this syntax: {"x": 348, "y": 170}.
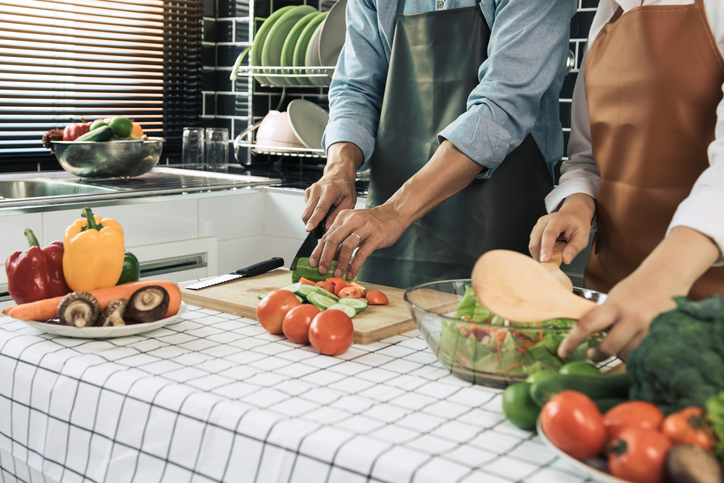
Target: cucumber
{"x": 299, "y": 289}
{"x": 320, "y": 300}
{"x": 103, "y": 133}
{"x": 357, "y": 304}
{"x": 350, "y": 311}
{"x": 312, "y": 273}
{"x": 595, "y": 387}
{"x": 326, "y": 293}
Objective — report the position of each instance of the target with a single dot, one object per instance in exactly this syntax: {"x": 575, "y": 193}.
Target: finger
{"x": 535, "y": 238}
{"x": 316, "y": 254}
{"x": 311, "y": 198}
{"x": 550, "y": 235}
{"x": 347, "y": 248}
{"x": 597, "y": 320}
{"x": 574, "y": 245}
{"x": 360, "y": 256}
{"x": 616, "y": 341}
{"x": 626, "y": 351}
{"x": 320, "y": 211}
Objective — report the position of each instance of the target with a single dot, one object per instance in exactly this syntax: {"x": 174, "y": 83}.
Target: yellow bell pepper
{"x": 94, "y": 252}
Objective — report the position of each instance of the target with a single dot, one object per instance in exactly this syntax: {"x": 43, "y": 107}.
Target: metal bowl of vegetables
{"x": 484, "y": 349}
{"x": 108, "y": 159}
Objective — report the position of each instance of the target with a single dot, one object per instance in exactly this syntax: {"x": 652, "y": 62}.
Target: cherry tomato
{"x": 296, "y": 323}
{"x": 689, "y": 426}
{"x": 572, "y": 422}
{"x": 305, "y": 281}
{"x": 638, "y": 455}
{"x": 355, "y": 284}
{"x": 337, "y": 284}
{"x": 331, "y": 332}
{"x": 271, "y": 310}
{"x": 640, "y": 414}
{"x": 350, "y": 293}
{"x": 326, "y": 286}
{"x": 375, "y": 297}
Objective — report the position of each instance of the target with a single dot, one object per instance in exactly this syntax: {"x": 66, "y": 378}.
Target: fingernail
{"x": 312, "y": 262}
{"x": 338, "y": 273}
{"x": 308, "y": 227}
{"x": 322, "y": 269}
{"x": 544, "y": 256}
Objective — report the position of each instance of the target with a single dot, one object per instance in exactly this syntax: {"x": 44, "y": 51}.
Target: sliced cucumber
{"x": 299, "y": 289}
{"x": 320, "y": 300}
{"x": 326, "y": 293}
{"x": 347, "y": 309}
{"x": 357, "y": 304}
{"x": 262, "y": 295}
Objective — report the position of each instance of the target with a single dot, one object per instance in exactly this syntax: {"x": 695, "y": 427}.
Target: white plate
{"x": 104, "y": 332}
{"x": 331, "y": 39}
{"x": 312, "y": 58}
{"x": 596, "y": 468}
{"x": 308, "y": 122}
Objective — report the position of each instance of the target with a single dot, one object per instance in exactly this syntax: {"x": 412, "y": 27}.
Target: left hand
{"x": 365, "y": 230}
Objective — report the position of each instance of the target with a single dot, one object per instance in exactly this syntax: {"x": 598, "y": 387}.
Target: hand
{"x": 571, "y": 223}
{"x": 335, "y": 189}
{"x": 365, "y": 230}
{"x": 669, "y": 271}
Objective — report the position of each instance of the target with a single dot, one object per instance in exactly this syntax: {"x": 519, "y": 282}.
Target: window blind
{"x": 63, "y": 59}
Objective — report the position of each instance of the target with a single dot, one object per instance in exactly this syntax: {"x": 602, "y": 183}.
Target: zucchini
{"x": 344, "y": 308}
{"x": 312, "y": 273}
{"x": 595, "y": 387}
{"x": 357, "y": 304}
{"x": 103, "y": 133}
{"x": 321, "y": 301}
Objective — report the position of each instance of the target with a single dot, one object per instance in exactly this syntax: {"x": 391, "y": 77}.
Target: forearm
{"x": 679, "y": 260}
{"x": 447, "y": 173}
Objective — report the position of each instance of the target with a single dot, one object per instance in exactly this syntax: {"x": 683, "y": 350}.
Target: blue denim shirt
{"x": 519, "y": 82}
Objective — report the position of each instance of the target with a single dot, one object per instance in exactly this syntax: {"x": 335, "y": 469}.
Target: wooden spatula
{"x": 518, "y": 288}
{"x": 554, "y": 266}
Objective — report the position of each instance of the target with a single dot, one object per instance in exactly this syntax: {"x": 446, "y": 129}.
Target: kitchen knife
{"x": 250, "y": 271}
{"x": 310, "y": 243}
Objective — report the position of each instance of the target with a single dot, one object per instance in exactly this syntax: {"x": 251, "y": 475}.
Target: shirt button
{"x": 440, "y": 4}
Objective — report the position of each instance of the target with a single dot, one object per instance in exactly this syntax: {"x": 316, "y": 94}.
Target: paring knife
{"x": 250, "y": 271}
{"x": 310, "y": 243}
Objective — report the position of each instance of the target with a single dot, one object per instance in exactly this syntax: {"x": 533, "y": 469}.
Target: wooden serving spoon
{"x": 554, "y": 265}
{"x": 518, "y": 288}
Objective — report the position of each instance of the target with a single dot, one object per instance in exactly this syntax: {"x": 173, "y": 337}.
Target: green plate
{"x": 290, "y": 43}
{"x": 300, "y": 50}
{"x": 260, "y": 38}
{"x": 272, "y": 53}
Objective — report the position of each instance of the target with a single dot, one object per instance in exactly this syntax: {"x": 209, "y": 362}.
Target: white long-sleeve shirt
{"x": 703, "y": 209}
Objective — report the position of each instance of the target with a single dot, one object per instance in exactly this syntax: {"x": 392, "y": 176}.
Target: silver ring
{"x": 358, "y": 237}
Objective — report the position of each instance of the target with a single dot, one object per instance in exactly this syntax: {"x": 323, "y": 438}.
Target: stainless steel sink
{"x": 27, "y": 188}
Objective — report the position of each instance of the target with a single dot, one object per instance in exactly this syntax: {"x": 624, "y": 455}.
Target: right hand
{"x": 571, "y": 223}
{"x": 336, "y": 188}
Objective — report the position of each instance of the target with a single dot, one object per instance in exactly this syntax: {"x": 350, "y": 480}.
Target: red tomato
{"x": 689, "y": 426}
{"x": 74, "y": 131}
{"x": 638, "y": 455}
{"x": 355, "y": 284}
{"x": 326, "y": 286}
{"x": 375, "y": 297}
{"x": 296, "y": 323}
{"x": 271, "y": 310}
{"x": 350, "y": 293}
{"x": 337, "y": 284}
{"x": 572, "y": 422}
{"x": 331, "y": 332}
{"x": 305, "y": 281}
{"x": 632, "y": 413}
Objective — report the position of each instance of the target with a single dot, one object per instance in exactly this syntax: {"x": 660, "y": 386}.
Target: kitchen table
{"x": 213, "y": 397}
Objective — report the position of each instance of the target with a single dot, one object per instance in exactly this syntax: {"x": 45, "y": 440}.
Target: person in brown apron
{"x": 434, "y": 66}
{"x": 653, "y": 81}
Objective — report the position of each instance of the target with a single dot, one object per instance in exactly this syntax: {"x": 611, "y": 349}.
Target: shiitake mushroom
{"x": 692, "y": 464}
{"x": 147, "y": 304}
{"x": 113, "y": 313}
{"x": 79, "y": 309}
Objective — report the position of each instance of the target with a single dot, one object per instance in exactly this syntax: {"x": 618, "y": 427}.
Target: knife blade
{"x": 250, "y": 271}
{"x": 310, "y": 243}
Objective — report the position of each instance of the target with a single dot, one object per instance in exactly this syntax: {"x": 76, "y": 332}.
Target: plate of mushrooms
{"x": 80, "y": 315}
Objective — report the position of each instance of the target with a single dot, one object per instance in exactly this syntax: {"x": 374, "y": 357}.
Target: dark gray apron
{"x": 433, "y": 68}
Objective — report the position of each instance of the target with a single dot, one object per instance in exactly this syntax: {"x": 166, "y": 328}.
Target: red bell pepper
{"x": 36, "y": 273}
{"x": 74, "y": 131}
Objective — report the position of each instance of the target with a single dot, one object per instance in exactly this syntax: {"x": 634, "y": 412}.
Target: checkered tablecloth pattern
{"x": 213, "y": 397}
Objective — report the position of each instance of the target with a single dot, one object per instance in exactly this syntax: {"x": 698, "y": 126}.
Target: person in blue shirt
{"x": 453, "y": 105}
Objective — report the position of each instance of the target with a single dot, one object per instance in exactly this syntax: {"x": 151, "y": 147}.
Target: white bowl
{"x": 308, "y": 121}
{"x": 276, "y": 131}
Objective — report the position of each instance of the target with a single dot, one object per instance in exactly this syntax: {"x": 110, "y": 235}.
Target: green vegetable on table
{"x": 303, "y": 270}
{"x": 680, "y": 363}
{"x": 131, "y": 269}
{"x": 715, "y": 414}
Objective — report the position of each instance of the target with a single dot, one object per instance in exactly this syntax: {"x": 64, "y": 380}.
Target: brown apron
{"x": 653, "y": 81}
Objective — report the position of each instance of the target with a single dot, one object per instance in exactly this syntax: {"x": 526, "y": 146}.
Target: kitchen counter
{"x": 213, "y": 397}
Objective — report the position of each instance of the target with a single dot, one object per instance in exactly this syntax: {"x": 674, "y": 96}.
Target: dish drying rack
{"x": 246, "y": 139}
{"x": 285, "y": 76}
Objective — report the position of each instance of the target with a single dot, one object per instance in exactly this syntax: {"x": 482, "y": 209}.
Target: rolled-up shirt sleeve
{"x": 527, "y": 48}
{"x": 357, "y": 88}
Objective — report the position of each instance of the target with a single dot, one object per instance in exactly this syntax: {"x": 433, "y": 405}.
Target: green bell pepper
{"x": 131, "y": 269}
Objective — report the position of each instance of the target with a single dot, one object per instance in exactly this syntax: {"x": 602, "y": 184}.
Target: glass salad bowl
{"x": 481, "y": 348}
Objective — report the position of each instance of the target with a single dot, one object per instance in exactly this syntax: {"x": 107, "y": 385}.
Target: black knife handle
{"x": 261, "y": 267}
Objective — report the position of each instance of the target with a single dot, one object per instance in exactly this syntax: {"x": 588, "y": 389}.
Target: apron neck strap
{"x": 400, "y": 7}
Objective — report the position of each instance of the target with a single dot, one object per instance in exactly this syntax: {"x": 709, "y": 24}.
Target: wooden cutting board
{"x": 241, "y": 297}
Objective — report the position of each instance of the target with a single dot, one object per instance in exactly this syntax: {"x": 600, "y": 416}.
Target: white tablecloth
{"x": 214, "y": 397}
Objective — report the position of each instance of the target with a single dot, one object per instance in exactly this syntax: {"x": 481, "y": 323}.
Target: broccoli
{"x": 681, "y": 361}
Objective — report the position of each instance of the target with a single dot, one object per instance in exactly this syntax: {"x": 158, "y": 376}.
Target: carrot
{"x": 47, "y": 309}
{"x": 304, "y": 281}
